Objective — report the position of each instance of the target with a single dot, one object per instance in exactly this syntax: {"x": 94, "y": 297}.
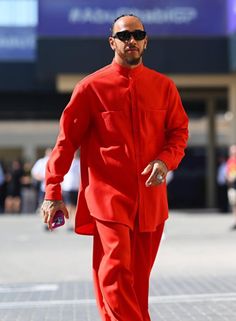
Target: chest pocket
{"x": 109, "y": 126}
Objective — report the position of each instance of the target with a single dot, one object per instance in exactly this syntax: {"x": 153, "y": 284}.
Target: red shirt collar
{"x": 126, "y": 71}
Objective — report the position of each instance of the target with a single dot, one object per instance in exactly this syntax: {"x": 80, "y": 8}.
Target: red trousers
{"x": 122, "y": 263}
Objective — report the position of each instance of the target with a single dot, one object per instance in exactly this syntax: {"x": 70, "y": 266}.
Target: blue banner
{"x": 17, "y": 43}
{"x": 18, "y": 29}
{"x": 161, "y": 17}
{"x": 232, "y": 16}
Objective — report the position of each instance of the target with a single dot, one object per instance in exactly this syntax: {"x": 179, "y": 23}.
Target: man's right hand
{"x": 49, "y": 208}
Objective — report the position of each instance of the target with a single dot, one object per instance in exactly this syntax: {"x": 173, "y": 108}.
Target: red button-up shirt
{"x": 122, "y": 119}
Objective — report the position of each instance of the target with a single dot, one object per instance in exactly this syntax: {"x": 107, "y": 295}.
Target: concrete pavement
{"x": 46, "y": 276}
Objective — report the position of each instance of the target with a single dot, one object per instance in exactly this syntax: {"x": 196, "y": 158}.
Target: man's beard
{"x": 133, "y": 61}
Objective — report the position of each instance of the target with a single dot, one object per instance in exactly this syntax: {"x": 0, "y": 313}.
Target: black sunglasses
{"x": 126, "y": 35}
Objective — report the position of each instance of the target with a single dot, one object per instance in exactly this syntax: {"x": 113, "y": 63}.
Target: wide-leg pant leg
{"x": 145, "y": 247}
{"x": 113, "y": 276}
{"x": 97, "y": 258}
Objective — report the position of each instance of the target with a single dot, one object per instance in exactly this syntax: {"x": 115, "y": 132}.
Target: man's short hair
{"x": 125, "y": 15}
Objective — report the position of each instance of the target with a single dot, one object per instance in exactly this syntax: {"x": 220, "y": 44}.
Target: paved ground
{"x": 47, "y": 276}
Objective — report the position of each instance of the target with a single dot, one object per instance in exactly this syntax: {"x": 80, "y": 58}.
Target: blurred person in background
{"x": 28, "y": 190}
{"x": 169, "y": 177}
{"x": 130, "y": 125}
{"x": 70, "y": 187}
{"x": 222, "y": 185}
{"x": 13, "y": 179}
{"x": 38, "y": 174}
{"x": 231, "y": 179}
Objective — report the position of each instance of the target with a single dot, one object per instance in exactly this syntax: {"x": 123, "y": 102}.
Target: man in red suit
{"x": 131, "y": 128}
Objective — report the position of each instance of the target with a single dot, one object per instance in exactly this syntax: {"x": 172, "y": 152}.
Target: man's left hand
{"x": 158, "y": 174}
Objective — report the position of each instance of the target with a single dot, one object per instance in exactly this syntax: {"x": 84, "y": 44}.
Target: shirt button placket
{"x": 135, "y": 118}
{"x": 136, "y": 134}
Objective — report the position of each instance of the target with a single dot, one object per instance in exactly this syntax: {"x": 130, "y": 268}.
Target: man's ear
{"x": 145, "y": 43}
{"x": 112, "y": 43}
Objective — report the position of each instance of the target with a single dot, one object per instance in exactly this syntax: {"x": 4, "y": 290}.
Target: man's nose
{"x": 132, "y": 39}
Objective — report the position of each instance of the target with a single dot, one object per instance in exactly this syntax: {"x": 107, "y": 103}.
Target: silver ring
{"x": 159, "y": 177}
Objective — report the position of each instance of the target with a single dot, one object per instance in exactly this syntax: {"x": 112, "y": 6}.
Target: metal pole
{"x": 211, "y": 166}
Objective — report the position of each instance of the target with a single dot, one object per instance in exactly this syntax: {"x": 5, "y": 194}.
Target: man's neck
{"x": 126, "y": 65}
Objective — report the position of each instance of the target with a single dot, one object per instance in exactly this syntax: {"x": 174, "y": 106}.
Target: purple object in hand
{"x": 58, "y": 219}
